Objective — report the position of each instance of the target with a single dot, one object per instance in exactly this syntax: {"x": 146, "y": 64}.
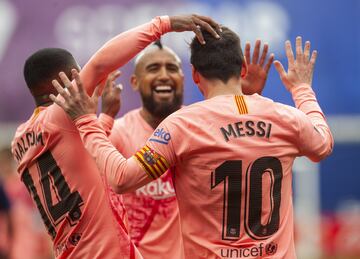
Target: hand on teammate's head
{"x": 195, "y": 23}
{"x": 75, "y": 102}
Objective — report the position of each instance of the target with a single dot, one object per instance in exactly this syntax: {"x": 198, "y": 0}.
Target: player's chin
{"x": 164, "y": 98}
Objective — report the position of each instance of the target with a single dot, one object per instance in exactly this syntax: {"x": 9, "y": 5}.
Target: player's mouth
{"x": 163, "y": 91}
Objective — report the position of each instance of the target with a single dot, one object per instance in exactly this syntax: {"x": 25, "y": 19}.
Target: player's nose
{"x": 163, "y": 74}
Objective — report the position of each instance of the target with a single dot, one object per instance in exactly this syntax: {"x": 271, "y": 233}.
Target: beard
{"x": 162, "y": 109}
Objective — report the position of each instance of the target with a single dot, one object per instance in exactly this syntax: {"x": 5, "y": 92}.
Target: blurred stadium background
{"x": 326, "y": 195}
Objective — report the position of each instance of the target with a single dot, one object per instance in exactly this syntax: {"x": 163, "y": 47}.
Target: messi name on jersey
{"x": 247, "y": 128}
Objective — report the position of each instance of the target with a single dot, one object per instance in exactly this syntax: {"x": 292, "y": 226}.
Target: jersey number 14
{"x": 68, "y": 203}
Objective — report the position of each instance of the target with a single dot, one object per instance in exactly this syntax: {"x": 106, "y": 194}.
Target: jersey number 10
{"x": 230, "y": 172}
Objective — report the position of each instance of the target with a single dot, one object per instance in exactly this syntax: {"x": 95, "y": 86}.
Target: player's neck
{"x": 214, "y": 88}
{"x": 43, "y": 100}
{"x": 41, "y": 95}
{"x": 149, "y": 118}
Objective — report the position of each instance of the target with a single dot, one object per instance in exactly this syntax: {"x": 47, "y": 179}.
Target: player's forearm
{"x": 305, "y": 100}
{"x": 121, "y": 49}
{"x": 124, "y": 175}
{"x": 107, "y": 122}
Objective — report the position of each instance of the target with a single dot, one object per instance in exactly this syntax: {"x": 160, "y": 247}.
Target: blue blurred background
{"x": 333, "y": 27}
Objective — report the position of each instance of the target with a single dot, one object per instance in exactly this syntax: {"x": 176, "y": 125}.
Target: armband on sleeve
{"x": 153, "y": 163}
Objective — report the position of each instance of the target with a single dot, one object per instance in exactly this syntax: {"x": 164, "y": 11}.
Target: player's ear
{"x": 195, "y": 75}
{"x": 134, "y": 82}
{"x": 244, "y": 69}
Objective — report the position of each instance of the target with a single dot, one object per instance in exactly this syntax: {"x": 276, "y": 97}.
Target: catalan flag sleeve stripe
{"x": 154, "y": 164}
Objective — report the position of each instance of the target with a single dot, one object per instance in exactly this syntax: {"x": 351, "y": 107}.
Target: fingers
{"x": 307, "y": 50}
{"x": 113, "y": 76}
{"x": 247, "y": 52}
{"x": 208, "y": 28}
{"x": 67, "y": 83}
{"x": 207, "y": 24}
{"x": 110, "y": 81}
{"x": 269, "y": 62}
{"x": 264, "y": 53}
{"x": 299, "y": 50}
{"x": 118, "y": 88}
{"x": 96, "y": 94}
{"x": 279, "y": 67}
{"x": 210, "y": 21}
{"x": 289, "y": 54}
{"x": 57, "y": 101}
{"x": 256, "y": 52}
{"x": 60, "y": 89}
{"x": 198, "y": 34}
{"x": 313, "y": 58}
{"x": 78, "y": 82}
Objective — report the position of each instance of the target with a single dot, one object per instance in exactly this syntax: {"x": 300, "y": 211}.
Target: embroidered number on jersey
{"x": 230, "y": 172}
{"x": 54, "y": 187}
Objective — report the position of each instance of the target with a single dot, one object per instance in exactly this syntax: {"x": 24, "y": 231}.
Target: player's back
{"x": 233, "y": 177}
{"x": 68, "y": 189}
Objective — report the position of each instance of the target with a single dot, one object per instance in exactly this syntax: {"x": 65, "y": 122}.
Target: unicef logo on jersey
{"x": 161, "y": 136}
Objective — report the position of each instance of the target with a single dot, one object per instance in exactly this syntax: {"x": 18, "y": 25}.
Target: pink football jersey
{"x": 233, "y": 157}
{"x": 68, "y": 189}
{"x": 152, "y": 209}
{"x": 233, "y": 173}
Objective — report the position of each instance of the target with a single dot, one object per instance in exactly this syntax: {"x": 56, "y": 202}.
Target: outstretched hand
{"x": 258, "y": 69}
{"x": 195, "y": 23}
{"x": 300, "y": 70}
{"x": 110, "y": 98}
{"x": 75, "y": 103}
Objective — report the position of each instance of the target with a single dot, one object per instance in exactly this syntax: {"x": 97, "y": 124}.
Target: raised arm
{"x": 124, "y": 174}
{"x": 121, "y": 49}
{"x": 315, "y": 139}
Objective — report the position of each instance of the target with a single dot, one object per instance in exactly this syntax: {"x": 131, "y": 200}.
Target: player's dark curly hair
{"x": 218, "y": 58}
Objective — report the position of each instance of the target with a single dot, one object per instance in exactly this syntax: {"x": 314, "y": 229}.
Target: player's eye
{"x": 152, "y": 68}
{"x": 172, "y": 68}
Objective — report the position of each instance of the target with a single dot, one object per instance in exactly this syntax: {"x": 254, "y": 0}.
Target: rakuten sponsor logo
{"x": 157, "y": 190}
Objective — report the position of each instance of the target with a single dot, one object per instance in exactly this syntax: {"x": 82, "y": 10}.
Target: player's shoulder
{"x": 186, "y": 113}
{"x": 127, "y": 119}
{"x": 288, "y": 109}
{"x": 32, "y": 122}
{"x": 287, "y": 115}
{"x": 189, "y": 110}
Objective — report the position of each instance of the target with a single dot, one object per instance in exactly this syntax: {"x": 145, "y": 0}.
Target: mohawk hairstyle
{"x": 158, "y": 43}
